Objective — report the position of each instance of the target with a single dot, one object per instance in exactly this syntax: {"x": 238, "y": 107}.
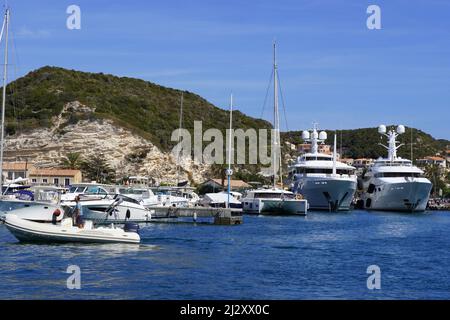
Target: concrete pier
{"x": 222, "y": 216}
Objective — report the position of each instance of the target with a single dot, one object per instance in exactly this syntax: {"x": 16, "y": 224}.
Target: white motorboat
{"x": 175, "y": 196}
{"x": 274, "y": 201}
{"x": 143, "y": 195}
{"x": 394, "y": 183}
{"x": 120, "y": 209}
{"x": 89, "y": 190}
{"x": 29, "y": 231}
{"x": 326, "y": 183}
{"x": 37, "y": 211}
{"x": 220, "y": 200}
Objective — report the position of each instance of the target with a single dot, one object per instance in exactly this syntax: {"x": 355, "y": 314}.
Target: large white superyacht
{"x": 326, "y": 183}
{"x": 393, "y": 183}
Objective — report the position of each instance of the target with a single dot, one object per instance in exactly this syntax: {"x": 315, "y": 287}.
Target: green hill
{"x": 144, "y": 107}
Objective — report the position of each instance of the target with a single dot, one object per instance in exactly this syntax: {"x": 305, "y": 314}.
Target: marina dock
{"x": 221, "y": 216}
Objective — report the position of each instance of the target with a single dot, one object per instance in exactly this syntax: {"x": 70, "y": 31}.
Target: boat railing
{"x": 328, "y": 175}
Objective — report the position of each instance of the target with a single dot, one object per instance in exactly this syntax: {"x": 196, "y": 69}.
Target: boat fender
{"x": 55, "y": 214}
{"x": 128, "y": 214}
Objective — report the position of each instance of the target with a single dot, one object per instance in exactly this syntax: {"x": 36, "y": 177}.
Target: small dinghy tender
{"x": 29, "y": 231}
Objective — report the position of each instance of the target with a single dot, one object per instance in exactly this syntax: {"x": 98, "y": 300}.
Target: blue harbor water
{"x": 322, "y": 256}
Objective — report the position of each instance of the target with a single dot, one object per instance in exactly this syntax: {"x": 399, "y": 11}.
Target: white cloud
{"x": 25, "y": 32}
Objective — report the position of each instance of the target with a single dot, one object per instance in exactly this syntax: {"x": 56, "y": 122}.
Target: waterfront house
{"x": 432, "y": 160}
{"x": 306, "y": 148}
{"x": 216, "y": 185}
{"x": 15, "y": 170}
{"x": 57, "y": 177}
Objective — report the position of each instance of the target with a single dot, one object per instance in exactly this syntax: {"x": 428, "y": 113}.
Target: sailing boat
{"x": 274, "y": 201}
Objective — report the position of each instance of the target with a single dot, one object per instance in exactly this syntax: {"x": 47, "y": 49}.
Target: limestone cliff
{"x": 126, "y": 152}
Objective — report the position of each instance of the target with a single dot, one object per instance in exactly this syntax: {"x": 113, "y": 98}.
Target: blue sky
{"x": 333, "y": 70}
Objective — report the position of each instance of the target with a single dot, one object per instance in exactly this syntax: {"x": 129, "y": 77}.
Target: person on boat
{"x": 78, "y": 213}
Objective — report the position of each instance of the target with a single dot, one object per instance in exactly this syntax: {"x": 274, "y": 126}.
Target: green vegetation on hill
{"x": 144, "y": 107}
{"x": 364, "y": 143}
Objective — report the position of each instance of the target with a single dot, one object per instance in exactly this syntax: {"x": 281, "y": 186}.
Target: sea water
{"x": 321, "y": 256}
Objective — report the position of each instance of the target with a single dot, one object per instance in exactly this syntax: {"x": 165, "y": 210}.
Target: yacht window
{"x": 317, "y": 158}
{"x": 272, "y": 195}
{"x": 102, "y": 191}
{"x": 92, "y": 190}
{"x": 397, "y": 174}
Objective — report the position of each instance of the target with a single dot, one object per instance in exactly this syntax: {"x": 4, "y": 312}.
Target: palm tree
{"x": 72, "y": 160}
{"x": 219, "y": 170}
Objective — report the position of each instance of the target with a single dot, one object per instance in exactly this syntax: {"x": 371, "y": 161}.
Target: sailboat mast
{"x": 5, "y": 69}
{"x": 334, "y": 154}
{"x": 179, "y": 138}
{"x": 275, "y": 117}
{"x": 229, "y": 151}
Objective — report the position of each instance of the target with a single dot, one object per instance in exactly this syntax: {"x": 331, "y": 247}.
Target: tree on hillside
{"x": 72, "y": 160}
{"x": 434, "y": 173}
{"x": 219, "y": 171}
{"x": 97, "y": 168}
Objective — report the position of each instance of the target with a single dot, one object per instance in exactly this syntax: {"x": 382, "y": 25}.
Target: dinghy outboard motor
{"x": 131, "y": 227}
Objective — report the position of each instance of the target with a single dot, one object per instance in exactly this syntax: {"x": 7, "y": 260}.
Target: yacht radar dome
{"x": 305, "y": 135}
{"x": 401, "y": 129}
{"x": 322, "y": 135}
{"x": 315, "y": 135}
{"x": 382, "y": 129}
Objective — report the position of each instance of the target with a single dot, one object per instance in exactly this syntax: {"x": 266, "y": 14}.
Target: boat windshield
{"x": 75, "y": 189}
{"x": 131, "y": 191}
{"x": 97, "y": 190}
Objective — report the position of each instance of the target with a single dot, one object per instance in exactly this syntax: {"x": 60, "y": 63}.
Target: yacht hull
{"x": 121, "y": 214}
{"x": 275, "y": 206}
{"x": 35, "y": 211}
{"x": 403, "y": 196}
{"x": 327, "y": 194}
{"x": 12, "y": 204}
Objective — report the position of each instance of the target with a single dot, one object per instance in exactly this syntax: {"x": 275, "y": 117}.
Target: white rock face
{"x": 46, "y": 147}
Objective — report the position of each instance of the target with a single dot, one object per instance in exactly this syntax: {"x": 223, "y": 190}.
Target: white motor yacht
{"x": 119, "y": 209}
{"x": 393, "y": 183}
{"x": 326, "y": 183}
